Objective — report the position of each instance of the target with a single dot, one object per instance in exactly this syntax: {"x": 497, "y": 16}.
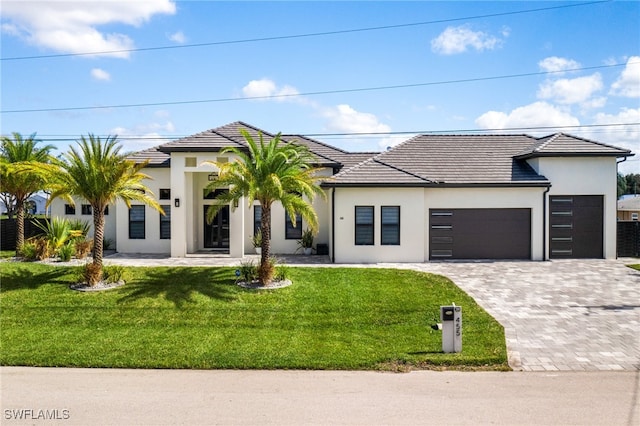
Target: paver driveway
{"x": 558, "y": 315}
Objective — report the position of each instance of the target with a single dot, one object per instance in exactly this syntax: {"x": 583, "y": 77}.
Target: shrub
{"x": 43, "y": 248}
{"x": 57, "y": 232}
{"x": 257, "y": 239}
{"x": 248, "y": 271}
{"x": 79, "y": 228}
{"x": 28, "y": 251}
{"x": 66, "y": 252}
{"x": 114, "y": 273}
{"x": 83, "y": 248}
{"x": 282, "y": 273}
{"x": 107, "y": 243}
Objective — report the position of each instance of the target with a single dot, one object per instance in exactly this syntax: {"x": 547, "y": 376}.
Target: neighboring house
{"x": 36, "y": 204}
{"x": 629, "y": 208}
{"x": 429, "y": 198}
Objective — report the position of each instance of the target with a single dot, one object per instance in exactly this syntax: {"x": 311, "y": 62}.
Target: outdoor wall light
{"x": 212, "y": 176}
{"x": 176, "y": 202}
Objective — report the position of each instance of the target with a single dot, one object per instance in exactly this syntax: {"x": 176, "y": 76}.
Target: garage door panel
{"x": 576, "y": 226}
{"x": 480, "y": 233}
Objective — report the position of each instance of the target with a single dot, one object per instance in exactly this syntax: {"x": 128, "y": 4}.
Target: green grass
{"x": 636, "y": 266}
{"x": 5, "y": 254}
{"x": 198, "y": 318}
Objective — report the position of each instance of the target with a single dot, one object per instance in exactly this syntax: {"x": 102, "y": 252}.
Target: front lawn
{"x": 330, "y": 318}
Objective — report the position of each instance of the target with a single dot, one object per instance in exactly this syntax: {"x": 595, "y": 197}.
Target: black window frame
{"x": 257, "y": 218}
{"x": 69, "y": 209}
{"x": 360, "y": 227}
{"x": 86, "y": 210}
{"x": 291, "y": 232}
{"x": 164, "y": 194}
{"x": 165, "y": 231}
{"x": 143, "y": 221}
{"x": 389, "y": 226}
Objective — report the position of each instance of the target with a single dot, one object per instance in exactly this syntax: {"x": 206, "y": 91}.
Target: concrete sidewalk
{"x": 168, "y": 397}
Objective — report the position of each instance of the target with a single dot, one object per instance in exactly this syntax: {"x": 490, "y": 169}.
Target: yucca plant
{"x": 57, "y": 231}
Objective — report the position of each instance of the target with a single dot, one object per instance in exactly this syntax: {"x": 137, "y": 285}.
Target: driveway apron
{"x": 558, "y": 315}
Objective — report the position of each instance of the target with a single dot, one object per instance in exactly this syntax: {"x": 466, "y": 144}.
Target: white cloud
{"x": 628, "y": 84}
{"x": 143, "y": 136}
{"x": 571, "y": 91}
{"x": 100, "y": 74}
{"x": 537, "y": 114}
{"x": 71, "y": 27}
{"x": 267, "y": 90}
{"x": 625, "y": 133}
{"x": 458, "y": 39}
{"x": 558, "y": 65}
{"x": 178, "y": 37}
{"x": 343, "y": 118}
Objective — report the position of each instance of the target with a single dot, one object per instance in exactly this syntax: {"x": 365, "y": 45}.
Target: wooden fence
{"x": 8, "y": 231}
{"x": 628, "y": 238}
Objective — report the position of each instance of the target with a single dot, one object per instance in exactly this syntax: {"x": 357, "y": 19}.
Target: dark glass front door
{"x": 216, "y": 233}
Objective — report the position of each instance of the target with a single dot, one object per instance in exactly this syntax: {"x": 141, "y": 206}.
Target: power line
{"x": 315, "y": 93}
{"x": 306, "y": 35}
{"x": 69, "y": 138}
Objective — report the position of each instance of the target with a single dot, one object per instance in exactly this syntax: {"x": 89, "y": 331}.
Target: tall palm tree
{"x": 98, "y": 173}
{"x": 19, "y": 184}
{"x": 268, "y": 172}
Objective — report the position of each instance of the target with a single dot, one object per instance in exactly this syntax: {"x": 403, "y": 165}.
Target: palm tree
{"x": 268, "y": 172}
{"x": 98, "y": 173}
{"x": 19, "y": 184}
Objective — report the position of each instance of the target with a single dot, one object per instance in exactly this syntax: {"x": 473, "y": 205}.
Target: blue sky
{"x": 461, "y": 65}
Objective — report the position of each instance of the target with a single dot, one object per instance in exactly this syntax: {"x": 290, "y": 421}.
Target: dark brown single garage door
{"x": 480, "y": 233}
{"x": 576, "y": 226}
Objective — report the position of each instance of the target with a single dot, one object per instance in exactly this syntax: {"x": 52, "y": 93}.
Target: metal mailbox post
{"x": 451, "y": 317}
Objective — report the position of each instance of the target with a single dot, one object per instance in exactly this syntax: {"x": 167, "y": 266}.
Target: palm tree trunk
{"x": 265, "y": 228}
{"x": 98, "y": 237}
{"x": 19, "y": 225}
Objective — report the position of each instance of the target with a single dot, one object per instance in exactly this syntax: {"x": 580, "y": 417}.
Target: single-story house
{"x": 36, "y": 204}
{"x": 433, "y": 197}
{"x": 629, "y": 208}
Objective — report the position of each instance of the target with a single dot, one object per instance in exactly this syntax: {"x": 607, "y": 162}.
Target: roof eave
{"x": 573, "y": 154}
{"x": 524, "y": 184}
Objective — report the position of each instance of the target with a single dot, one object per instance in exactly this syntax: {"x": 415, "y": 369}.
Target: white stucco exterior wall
{"x": 414, "y": 218}
{"x": 412, "y": 225}
{"x": 490, "y": 198}
{"x": 110, "y": 220}
{"x": 585, "y": 176}
{"x": 160, "y": 178}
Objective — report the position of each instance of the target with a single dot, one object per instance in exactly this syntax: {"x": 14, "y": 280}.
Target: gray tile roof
{"x": 561, "y": 144}
{"x": 423, "y": 160}
{"x": 156, "y": 158}
{"x": 229, "y": 135}
{"x": 427, "y": 160}
{"x": 211, "y": 140}
{"x": 345, "y": 158}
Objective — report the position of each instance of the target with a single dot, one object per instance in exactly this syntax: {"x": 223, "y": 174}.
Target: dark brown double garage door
{"x": 575, "y": 231}
{"x": 480, "y": 233}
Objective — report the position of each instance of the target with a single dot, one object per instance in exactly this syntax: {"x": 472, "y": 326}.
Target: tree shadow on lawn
{"x": 26, "y": 278}
{"x": 180, "y": 285}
